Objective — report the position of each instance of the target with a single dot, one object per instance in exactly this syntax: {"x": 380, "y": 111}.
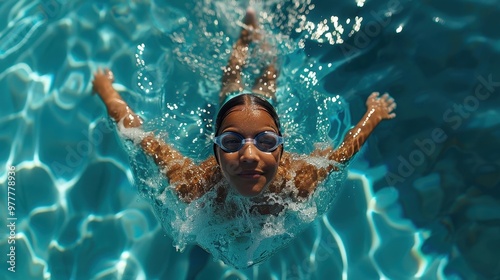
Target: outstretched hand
{"x": 102, "y": 80}
{"x": 383, "y": 106}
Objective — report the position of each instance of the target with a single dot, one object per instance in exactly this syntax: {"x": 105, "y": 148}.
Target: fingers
{"x": 392, "y": 105}
{"x": 98, "y": 74}
{"x": 385, "y": 98}
{"x": 106, "y": 73}
{"x": 109, "y": 74}
{"x": 102, "y": 79}
{"x": 373, "y": 96}
{"x": 385, "y": 104}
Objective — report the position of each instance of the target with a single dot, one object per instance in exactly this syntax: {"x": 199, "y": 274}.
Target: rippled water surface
{"x": 420, "y": 201}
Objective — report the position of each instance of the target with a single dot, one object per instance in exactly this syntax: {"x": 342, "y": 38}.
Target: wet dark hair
{"x": 245, "y": 99}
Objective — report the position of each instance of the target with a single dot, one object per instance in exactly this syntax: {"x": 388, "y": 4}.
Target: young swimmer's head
{"x": 248, "y": 143}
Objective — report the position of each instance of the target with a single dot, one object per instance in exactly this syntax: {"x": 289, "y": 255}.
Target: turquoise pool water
{"x": 420, "y": 201}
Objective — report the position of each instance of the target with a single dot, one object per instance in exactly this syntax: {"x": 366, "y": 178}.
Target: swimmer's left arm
{"x": 378, "y": 109}
{"x": 307, "y": 176}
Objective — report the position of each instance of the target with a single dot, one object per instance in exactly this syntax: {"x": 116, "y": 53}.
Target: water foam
{"x": 233, "y": 230}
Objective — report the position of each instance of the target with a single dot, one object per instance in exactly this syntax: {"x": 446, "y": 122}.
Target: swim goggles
{"x": 265, "y": 141}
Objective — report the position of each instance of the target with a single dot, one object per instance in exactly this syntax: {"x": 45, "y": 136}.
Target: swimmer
{"x": 248, "y": 144}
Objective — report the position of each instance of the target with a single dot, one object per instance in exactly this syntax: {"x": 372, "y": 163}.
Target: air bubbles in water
{"x": 145, "y": 79}
{"x": 148, "y": 79}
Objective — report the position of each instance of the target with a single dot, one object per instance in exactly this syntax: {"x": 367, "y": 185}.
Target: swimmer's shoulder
{"x": 301, "y": 173}
{"x": 198, "y": 179}
{"x": 289, "y": 165}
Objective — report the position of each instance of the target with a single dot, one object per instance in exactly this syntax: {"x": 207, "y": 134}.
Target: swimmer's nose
{"x": 249, "y": 152}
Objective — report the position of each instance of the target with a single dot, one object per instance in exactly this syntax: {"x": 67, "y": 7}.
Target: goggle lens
{"x": 231, "y": 142}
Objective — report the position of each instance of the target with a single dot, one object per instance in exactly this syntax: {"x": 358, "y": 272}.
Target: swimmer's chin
{"x": 251, "y": 192}
{"x": 250, "y": 195}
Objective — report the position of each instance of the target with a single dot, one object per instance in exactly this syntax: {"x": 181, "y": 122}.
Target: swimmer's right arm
{"x": 191, "y": 180}
{"x": 118, "y": 109}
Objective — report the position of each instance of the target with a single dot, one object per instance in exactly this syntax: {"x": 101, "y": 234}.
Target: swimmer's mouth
{"x": 250, "y": 174}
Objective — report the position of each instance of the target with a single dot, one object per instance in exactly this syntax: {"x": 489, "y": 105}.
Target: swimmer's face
{"x": 249, "y": 170}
